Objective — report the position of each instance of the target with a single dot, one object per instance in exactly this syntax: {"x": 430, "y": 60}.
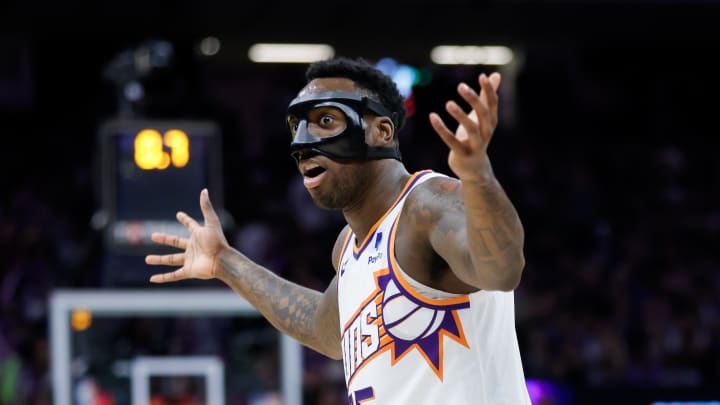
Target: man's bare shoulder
{"x": 339, "y": 243}
{"x": 438, "y": 195}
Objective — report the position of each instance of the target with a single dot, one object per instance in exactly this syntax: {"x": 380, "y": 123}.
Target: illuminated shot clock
{"x": 151, "y": 170}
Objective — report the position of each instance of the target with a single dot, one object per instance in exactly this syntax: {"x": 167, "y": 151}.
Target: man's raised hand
{"x": 201, "y": 251}
{"x": 468, "y": 145}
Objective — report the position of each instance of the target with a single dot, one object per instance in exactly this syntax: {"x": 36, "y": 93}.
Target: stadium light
{"x": 290, "y": 53}
{"x": 471, "y": 55}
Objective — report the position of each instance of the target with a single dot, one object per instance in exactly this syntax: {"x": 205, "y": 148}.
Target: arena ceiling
{"x": 402, "y": 27}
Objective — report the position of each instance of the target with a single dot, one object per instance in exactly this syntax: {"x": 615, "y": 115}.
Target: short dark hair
{"x": 381, "y": 87}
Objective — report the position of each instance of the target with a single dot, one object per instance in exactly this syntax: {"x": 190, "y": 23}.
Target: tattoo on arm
{"x": 291, "y": 308}
{"x": 493, "y": 223}
{"x": 480, "y": 220}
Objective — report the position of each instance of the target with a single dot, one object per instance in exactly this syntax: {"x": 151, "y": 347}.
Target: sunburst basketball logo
{"x": 394, "y": 319}
{"x": 415, "y": 324}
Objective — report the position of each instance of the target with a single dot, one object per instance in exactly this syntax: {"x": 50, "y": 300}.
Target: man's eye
{"x": 326, "y": 120}
{"x": 293, "y": 123}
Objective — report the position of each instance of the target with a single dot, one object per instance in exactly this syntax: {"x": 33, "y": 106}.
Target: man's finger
{"x": 185, "y": 219}
{"x": 481, "y": 115}
{"x": 468, "y": 94}
{"x": 495, "y": 79}
{"x": 175, "y": 259}
{"x": 472, "y": 134}
{"x": 170, "y": 240}
{"x": 176, "y": 275}
{"x": 211, "y": 217}
{"x": 488, "y": 91}
{"x": 445, "y": 134}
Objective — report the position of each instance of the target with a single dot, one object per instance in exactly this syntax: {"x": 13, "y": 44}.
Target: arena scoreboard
{"x": 151, "y": 170}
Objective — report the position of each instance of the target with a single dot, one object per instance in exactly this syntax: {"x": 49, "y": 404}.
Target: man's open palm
{"x": 201, "y": 251}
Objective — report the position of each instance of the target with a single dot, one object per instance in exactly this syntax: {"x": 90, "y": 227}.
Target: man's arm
{"x": 309, "y": 316}
{"x": 478, "y": 232}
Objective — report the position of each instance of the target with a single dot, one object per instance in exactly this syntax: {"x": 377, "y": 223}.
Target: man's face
{"x": 331, "y": 184}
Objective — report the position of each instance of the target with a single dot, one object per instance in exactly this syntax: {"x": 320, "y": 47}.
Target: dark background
{"x": 607, "y": 146}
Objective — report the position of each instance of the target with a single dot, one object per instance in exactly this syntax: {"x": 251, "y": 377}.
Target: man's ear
{"x": 383, "y": 132}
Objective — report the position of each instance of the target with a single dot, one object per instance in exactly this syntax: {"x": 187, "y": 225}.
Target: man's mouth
{"x": 315, "y": 171}
{"x": 313, "y": 174}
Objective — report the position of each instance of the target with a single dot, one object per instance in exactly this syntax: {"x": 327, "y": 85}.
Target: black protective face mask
{"x": 348, "y": 144}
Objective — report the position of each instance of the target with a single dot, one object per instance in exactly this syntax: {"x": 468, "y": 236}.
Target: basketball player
{"x": 421, "y": 308}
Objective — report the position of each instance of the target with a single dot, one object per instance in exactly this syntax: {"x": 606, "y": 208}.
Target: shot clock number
{"x": 150, "y": 152}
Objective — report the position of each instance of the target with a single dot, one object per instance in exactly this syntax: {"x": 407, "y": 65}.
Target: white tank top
{"x": 406, "y": 343}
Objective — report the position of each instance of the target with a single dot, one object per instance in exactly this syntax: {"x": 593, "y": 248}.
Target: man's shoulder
{"x": 339, "y": 244}
{"x": 429, "y": 200}
{"x": 436, "y": 187}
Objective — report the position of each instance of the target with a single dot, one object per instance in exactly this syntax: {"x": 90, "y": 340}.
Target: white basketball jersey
{"x": 405, "y": 343}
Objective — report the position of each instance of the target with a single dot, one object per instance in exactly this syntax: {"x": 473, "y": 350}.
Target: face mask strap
{"x": 379, "y": 110}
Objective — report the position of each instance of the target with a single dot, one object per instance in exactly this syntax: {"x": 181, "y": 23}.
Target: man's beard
{"x": 346, "y": 191}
